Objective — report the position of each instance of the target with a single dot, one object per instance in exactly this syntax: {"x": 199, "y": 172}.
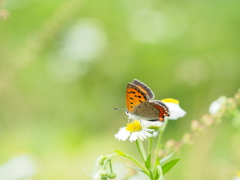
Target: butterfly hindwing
{"x": 151, "y": 111}
{"x": 134, "y": 96}
{"x": 163, "y": 109}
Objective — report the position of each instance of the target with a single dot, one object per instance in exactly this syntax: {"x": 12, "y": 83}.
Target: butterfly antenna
{"x": 120, "y": 109}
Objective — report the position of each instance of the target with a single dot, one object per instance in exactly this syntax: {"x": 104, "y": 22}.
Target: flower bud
{"x": 207, "y": 120}
{"x": 161, "y": 153}
{"x": 237, "y": 96}
{"x": 187, "y": 139}
{"x": 4, "y": 14}
{"x": 195, "y": 125}
{"x": 101, "y": 159}
{"x": 112, "y": 175}
{"x": 170, "y": 143}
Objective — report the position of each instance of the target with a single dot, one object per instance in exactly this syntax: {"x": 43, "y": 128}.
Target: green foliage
{"x": 148, "y": 161}
{"x": 169, "y": 165}
{"x": 120, "y": 153}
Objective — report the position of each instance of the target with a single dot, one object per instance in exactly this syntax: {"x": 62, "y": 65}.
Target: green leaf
{"x": 138, "y": 169}
{"x": 120, "y": 153}
{"x": 166, "y": 167}
{"x": 148, "y": 161}
{"x": 166, "y": 158}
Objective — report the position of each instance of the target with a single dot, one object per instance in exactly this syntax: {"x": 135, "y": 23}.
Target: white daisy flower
{"x": 154, "y": 125}
{"x": 175, "y": 110}
{"x": 133, "y": 131}
{"x": 216, "y": 105}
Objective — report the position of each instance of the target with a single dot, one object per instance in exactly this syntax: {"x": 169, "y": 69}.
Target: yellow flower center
{"x": 134, "y": 126}
{"x": 238, "y": 174}
{"x": 170, "y": 100}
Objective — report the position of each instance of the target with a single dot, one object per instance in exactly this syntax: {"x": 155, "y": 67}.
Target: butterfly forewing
{"x": 134, "y": 96}
{"x": 143, "y": 87}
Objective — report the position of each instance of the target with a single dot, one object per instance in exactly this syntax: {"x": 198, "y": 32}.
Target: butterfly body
{"x": 140, "y": 104}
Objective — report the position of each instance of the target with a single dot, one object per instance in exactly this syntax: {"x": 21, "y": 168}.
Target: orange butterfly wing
{"x": 144, "y": 88}
{"x": 134, "y": 96}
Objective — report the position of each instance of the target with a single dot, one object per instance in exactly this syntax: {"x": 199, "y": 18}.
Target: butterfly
{"x": 140, "y": 103}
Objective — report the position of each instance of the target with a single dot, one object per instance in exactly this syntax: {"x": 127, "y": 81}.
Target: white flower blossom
{"x": 216, "y": 105}
{"x": 154, "y": 125}
{"x": 133, "y": 131}
{"x": 174, "y": 108}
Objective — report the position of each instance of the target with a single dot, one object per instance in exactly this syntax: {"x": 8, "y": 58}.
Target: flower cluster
{"x": 102, "y": 173}
{"x": 138, "y": 130}
{"x": 219, "y": 109}
{"x": 141, "y": 129}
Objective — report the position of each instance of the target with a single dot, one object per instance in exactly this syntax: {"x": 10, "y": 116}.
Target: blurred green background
{"x": 64, "y": 66}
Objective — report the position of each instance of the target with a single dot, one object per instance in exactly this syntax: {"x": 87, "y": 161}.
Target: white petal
{"x": 122, "y": 134}
{"x": 147, "y": 134}
{"x": 155, "y": 134}
{"x": 133, "y": 137}
{"x": 175, "y": 111}
{"x": 125, "y": 136}
{"x": 152, "y": 124}
{"x": 141, "y": 135}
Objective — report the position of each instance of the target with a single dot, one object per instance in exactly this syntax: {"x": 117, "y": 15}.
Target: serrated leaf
{"x": 120, "y": 153}
{"x": 166, "y": 167}
{"x": 166, "y": 158}
{"x": 148, "y": 161}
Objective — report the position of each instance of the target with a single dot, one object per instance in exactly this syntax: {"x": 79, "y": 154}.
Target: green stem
{"x": 165, "y": 124}
{"x": 150, "y": 145}
{"x": 110, "y": 166}
{"x": 150, "y": 150}
{"x": 159, "y": 145}
{"x": 141, "y": 149}
{"x": 108, "y": 159}
{"x": 146, "y": 171}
